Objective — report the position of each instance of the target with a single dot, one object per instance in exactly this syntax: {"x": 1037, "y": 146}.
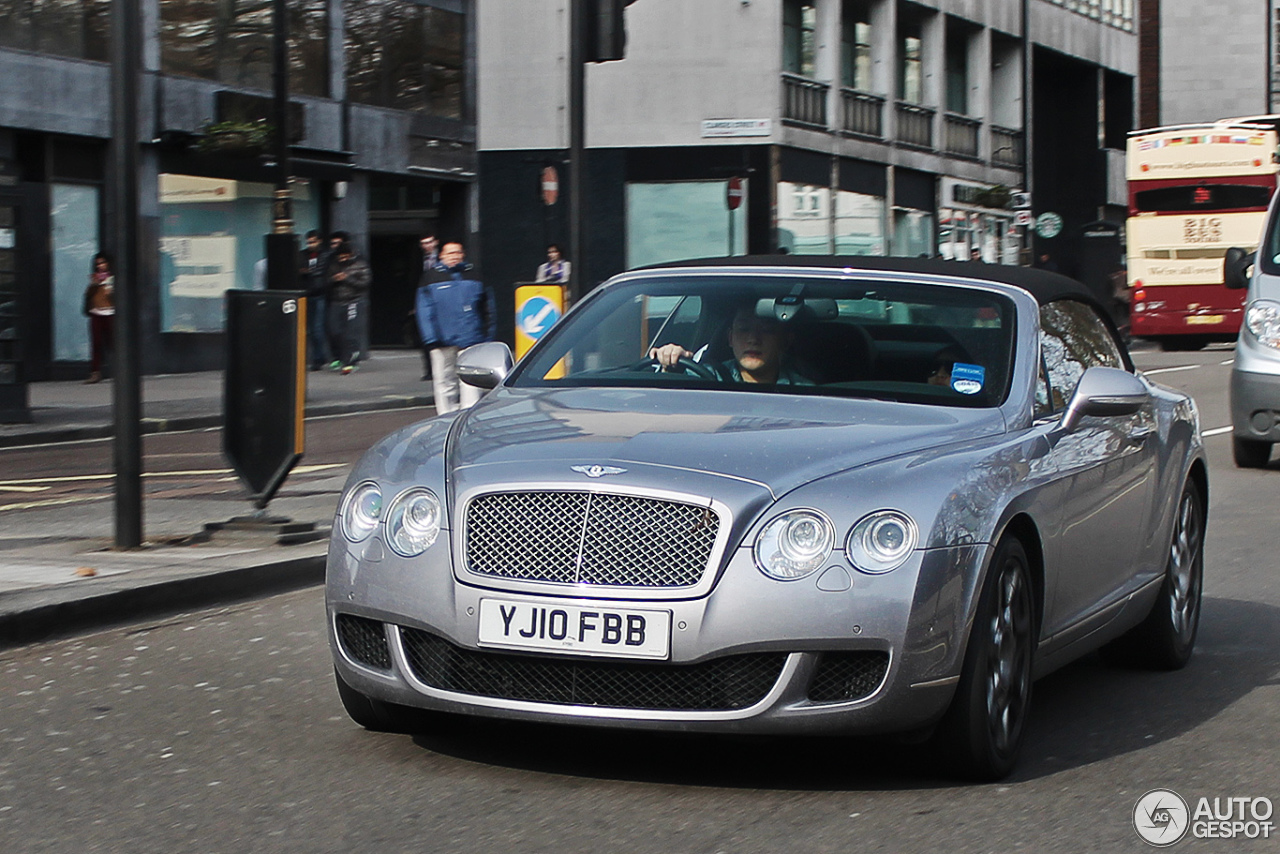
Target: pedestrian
{"x": 349, "y": 286}
{"x": 556, "y": 270}
{"x": 312, "y": 265}
{"x": 100, "y": 308}
{"x": 455, "y": 310}
{"x": 430, "y": 258}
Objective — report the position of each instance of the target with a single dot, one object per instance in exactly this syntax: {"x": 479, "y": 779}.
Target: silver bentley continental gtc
{"x": 778, "y": 495}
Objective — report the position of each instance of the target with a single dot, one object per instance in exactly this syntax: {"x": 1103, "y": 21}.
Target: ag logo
{"x": 1161, "y": 817}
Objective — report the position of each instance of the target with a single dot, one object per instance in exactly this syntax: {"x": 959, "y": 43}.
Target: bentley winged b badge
{"x": 597, "y": 470}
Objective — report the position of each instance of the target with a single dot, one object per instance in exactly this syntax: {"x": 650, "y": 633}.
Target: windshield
{"x": 788, "y": 334}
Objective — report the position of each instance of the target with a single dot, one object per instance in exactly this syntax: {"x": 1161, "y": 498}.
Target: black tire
{"x": 982, "y": 732}
{"x": 1250, "y": 453}
{"x": 1165, "y": 639}
{"x": 378, "y": 715}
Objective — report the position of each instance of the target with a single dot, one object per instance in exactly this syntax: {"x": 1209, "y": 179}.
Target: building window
{"x": 859, "y": 227}
{"x": 211, "y": 240}
{"x": 75, "y": 28}
{"x": 804, "y": 218}
{"x": 799, "y": 40}
{"x": 677, "y": 220}
{"x": 957, "y": 60}
{"x": 910, "y": 59}
{"x": 855, "y": 46}
{"x": 232, "y": 43}
{"x": 405, "y": 56}
{"x": 73, "y": 241}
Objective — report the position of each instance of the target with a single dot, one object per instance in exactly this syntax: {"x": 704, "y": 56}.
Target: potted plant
{"x": 243, "y": 139}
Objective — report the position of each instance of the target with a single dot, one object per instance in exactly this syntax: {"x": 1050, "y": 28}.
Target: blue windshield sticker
{"x": 967, "y": 379}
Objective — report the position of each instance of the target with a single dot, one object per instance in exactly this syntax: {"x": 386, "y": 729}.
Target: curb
{"x": 196, "y": 422}
{"x": 29, "y": 616}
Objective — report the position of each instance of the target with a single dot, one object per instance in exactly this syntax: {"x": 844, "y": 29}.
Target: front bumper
{"x": 839, "y": 651}
{"x": 1255, "y": 406}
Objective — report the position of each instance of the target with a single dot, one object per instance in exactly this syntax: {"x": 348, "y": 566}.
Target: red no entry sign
{"x": 550, "y": 186}
{"x": 733, "y": 195}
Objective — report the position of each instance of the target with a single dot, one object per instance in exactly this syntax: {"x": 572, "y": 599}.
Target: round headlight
{"x": 881, "y": 541}
{"x": 794, "y": 545}
{"x": 361, "y": 511}
{"x": 1262, "y": 319}
{"x": 413, "y": 522}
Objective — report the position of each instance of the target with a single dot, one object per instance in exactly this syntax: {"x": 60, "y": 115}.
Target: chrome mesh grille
{"x": 589, "y": 538}
{"x": 734, "y": 682}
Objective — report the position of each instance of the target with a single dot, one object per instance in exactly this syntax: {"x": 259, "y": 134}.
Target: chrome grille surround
{"x": 637, "y": 539}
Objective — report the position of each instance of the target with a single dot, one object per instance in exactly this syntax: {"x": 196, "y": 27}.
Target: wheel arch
{"x": 1022, "y": 526}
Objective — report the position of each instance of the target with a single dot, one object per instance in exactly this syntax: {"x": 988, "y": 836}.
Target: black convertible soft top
{"x": 1044, "y": 285}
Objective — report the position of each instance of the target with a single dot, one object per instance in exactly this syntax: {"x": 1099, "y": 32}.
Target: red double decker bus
{"x": 1194, "y": 191}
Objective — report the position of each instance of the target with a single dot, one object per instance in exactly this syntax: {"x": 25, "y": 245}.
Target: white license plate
{"x": 576, "y": 629}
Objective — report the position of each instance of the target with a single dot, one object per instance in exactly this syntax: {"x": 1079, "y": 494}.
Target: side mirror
{"x": 1104, "y": 392}
{"x": 1236, "y": 268}
{"x": 485, "y": 365}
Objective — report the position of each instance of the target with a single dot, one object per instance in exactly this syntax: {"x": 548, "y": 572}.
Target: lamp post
{"x": 127, "y": 389}
{"x": 281, "y": 243}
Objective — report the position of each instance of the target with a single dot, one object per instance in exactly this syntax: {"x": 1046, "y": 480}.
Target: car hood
{"x": 777, "y": 441}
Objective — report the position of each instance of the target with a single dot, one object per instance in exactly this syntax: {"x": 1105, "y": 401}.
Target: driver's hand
{"x": 668, "y": 354}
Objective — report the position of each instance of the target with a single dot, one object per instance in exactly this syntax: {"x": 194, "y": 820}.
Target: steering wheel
{"x": 698, "y": 369}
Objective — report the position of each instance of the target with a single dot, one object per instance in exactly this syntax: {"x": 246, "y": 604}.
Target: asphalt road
{"x": 221, "y": 731}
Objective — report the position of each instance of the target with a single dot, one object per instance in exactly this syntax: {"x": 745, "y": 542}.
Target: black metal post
{"x": 281, "y": 243}
{"x": 126, "y": 50}
{"x": 578, "y": 281}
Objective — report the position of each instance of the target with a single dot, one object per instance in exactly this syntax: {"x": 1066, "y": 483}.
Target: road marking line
{"x": 1171, "y": 370}
{"x": 1228, "y": 362}
{"x": 52, "y": 502}
{"x": 4, "y": 488}
{"x": 1216, "y": 431}
{"x": 78, "y": 478}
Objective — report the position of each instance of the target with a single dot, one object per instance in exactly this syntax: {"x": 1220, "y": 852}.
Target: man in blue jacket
{"x": 454, "y": 311}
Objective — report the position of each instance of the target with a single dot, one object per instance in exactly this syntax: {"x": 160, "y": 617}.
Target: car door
{"x": 1106, "y": 469}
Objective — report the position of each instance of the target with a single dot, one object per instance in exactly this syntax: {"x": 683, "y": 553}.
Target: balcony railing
{"x": 804, "y": 101}
{"x": 861, "y": 113}
{"x": 915, "y": 125}
{"x": 1006, "y": 147}
{"x": 960, "y": 135}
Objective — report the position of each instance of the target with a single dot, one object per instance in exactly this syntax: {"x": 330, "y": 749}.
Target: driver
{"x": 760, "y": 346}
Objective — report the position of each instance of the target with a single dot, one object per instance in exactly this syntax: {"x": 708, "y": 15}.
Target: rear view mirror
{"x": 1236, "y": 268}
{"x": 1104, "y": 392}
{"x": 792, "y": 306}
{"x": 485, "y": 365}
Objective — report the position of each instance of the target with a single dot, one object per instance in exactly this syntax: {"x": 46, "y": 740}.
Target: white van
{"x": 1255, "y": 376}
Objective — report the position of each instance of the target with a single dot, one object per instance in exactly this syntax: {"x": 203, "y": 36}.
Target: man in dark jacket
{"x": 312, "y": 265}
{"x": 455, "y": 310}
{"x": 349, "y": 279}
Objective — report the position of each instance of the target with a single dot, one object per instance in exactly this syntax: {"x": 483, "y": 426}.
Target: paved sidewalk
{"x": 58, "y": 571}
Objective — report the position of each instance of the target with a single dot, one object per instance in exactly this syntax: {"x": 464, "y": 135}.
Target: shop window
{"x": 912, "y": 233}
{"x": 804, "y": 218}
{"x": 406, "y": 56}
{"x": 232, "y": 43}
{"x": 75, "y": 28}
{"x": 799, "y": 40}
{"x": 859, "y": 226}
{"x": 212, "y": 235}
{"x": 676, "y": 220}
{"x": 73, "y": 221}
